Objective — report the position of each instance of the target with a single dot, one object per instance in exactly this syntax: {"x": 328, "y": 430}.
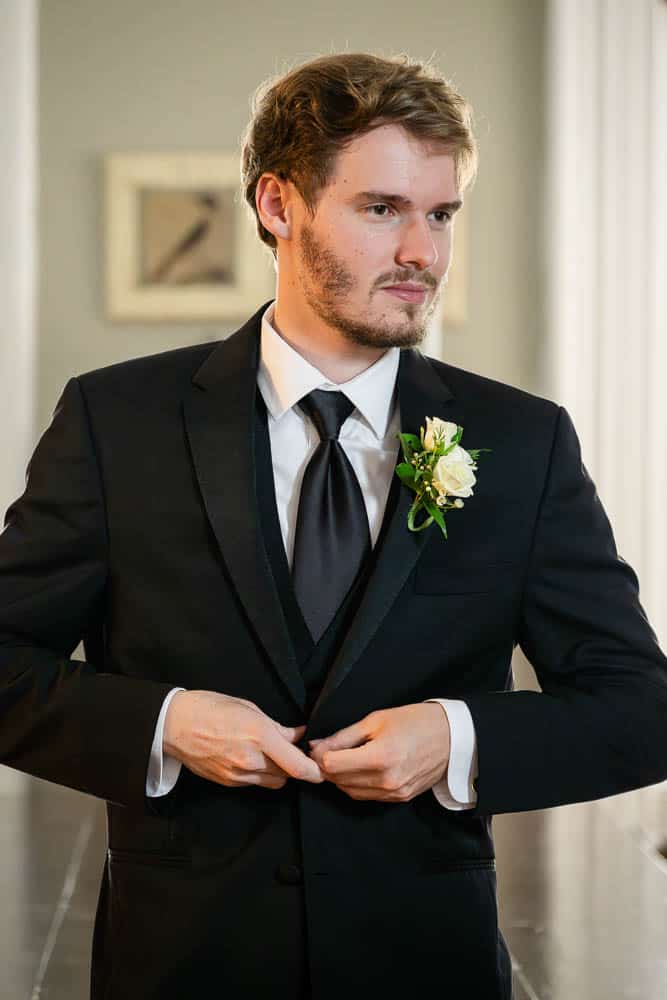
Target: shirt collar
{"x": 284, "y": 377}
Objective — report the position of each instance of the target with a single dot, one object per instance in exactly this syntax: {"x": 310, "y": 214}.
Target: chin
{"x": 388, "y": 338}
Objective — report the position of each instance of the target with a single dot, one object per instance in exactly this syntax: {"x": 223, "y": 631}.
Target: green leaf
{"x": 436, "y": 515}
{"x": 407, "y": 451}
{"x": 406, "y": 474}
{"x": 409, "y": 443}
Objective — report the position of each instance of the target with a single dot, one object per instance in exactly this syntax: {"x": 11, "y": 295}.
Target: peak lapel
{"x": 219, "y": 419}
{"x": 421, "y": 393}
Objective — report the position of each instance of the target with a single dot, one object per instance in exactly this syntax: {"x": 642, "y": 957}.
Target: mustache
{"x": 426, "y": 281}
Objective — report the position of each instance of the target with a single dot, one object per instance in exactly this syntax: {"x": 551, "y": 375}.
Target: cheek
{"x": 363, "y": 251}
{"x": 448, "y": 246}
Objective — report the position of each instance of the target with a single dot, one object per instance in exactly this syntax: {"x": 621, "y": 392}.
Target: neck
{"x": 323, "y": 346}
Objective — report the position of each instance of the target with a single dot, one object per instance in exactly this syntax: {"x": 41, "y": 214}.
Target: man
{"x": 299, "y": 711}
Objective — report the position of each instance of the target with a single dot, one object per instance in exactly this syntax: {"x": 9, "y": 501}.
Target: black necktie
{"x": 332, "y": 537}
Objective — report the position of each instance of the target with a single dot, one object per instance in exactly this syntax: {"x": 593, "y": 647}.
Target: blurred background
{"x": 560, "y": 291}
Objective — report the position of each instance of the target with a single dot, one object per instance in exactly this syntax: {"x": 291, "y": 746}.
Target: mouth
{"x": 409, "y": 293}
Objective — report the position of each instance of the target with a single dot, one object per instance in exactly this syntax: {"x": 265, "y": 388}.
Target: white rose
{"x": 453, "y": 473}
{"x": 437, "y": 428}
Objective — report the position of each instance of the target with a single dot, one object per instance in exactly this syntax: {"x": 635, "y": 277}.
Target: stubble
{"x": 327, "y": 282}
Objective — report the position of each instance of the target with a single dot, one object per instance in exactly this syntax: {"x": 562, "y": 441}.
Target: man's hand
{"x": 390, "y": 755}
{"x": 231, "y": 741}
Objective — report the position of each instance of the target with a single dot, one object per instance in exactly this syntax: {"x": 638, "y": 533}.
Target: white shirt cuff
{"x": 455, "y": 790}
{"x": 163, "y": 769}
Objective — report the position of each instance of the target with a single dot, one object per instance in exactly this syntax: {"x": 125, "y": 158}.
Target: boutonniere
{"x": 437, "y": 468}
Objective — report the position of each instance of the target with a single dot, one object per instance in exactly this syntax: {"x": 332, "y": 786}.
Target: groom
{"x": 300, "y": 712}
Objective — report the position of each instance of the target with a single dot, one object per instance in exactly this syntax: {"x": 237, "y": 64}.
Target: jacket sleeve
{"x": 599, "y": 725}
{"x": 64, "y": 720}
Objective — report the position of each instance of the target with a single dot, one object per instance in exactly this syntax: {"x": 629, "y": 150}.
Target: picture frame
{"x": 180, "y": 244}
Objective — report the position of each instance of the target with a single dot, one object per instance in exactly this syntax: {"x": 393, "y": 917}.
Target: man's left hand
{"x": 391, "y": 755}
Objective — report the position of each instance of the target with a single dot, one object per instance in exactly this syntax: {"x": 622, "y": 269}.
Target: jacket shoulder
{"x": 150, "y": 375}
{"x": 491, "y": 392}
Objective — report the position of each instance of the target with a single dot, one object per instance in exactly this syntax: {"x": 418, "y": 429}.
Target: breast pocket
{"x": 480, "y": 578}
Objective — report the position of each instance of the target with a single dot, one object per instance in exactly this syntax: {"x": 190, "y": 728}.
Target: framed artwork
{"x": 180, "y": 244}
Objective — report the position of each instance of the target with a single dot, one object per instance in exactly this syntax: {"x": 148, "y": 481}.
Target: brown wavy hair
{"x": 302, "y": 119}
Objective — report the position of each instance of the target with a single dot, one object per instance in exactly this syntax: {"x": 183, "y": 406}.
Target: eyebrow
{"x": 399, "y": 199}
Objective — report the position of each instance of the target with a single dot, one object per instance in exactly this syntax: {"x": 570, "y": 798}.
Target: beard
{"x": 326, "y": 282}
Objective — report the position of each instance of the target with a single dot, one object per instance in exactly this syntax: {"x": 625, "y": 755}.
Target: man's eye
{"x": 444, "y": 215}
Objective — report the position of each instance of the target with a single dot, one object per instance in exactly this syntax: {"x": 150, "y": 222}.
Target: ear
{"x": 274, "y": 201}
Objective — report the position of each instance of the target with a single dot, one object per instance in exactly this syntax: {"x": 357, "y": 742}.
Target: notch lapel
{"x": 421, "y": 392}
{"x": 219, "y": 414}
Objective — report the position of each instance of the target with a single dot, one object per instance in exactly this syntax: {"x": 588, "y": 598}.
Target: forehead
{"x": 388, "y": 157}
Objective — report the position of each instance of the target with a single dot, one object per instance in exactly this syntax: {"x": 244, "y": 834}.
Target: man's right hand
{"x": 231, "y": 741}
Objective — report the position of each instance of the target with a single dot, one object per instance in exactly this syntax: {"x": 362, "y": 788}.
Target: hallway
{"x": 583, "y": 904}
{"x": 561, "y": 250}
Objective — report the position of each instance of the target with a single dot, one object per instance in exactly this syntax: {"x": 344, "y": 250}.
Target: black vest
{"x": 314, "y": 659}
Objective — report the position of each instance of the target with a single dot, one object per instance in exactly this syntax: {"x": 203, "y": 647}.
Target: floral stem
{"x": 416, "y": 506}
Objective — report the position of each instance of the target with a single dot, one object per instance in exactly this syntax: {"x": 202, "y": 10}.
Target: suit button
{"x": 289, "y": 874}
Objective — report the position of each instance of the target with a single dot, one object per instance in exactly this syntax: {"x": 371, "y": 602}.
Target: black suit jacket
{"x": 139, "y": 532}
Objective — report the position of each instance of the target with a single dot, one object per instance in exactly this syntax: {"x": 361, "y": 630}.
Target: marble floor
{"x": 582, "y": 902}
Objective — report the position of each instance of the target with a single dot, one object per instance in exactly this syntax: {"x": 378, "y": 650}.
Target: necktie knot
{"x": 328, "y": 411}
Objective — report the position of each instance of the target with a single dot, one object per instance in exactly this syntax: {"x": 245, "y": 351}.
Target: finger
{"x": 375, "y": 794}
{"x": 365, "y": 794}
{"x": 292, "y": 760}
{"x": 269, "y": 780}
{"x": 268, "y": 767}
{"x": 351, "y": 736}
{"x": 291, "y": 733}
{"x": 355, "y": 779}
{"x": 259, "y": 779}
{"x": 363, "y": 758}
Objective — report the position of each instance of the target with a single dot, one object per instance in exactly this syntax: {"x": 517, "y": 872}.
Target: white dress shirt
{"x": 369, "y": 440}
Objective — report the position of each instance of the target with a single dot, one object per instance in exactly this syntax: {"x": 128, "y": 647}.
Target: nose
{"x": 417, "y": 246}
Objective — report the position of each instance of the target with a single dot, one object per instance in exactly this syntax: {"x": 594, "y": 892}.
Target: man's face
{"x": 385, "y": 218}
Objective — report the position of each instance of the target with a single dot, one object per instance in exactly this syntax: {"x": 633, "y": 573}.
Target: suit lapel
{"x": 421, "y": 393}
{"x": 219, "y": 414}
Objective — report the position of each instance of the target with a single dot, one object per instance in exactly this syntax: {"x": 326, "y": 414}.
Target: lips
{"x": 409, "y": 293}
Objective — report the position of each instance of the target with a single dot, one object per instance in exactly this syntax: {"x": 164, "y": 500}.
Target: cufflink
{"x": 475, "y": 784}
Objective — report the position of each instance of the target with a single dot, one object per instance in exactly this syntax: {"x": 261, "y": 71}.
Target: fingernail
{"x": 313, "y": 742}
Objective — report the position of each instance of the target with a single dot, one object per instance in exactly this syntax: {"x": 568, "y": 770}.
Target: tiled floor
{"x": 583, "y": 905}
